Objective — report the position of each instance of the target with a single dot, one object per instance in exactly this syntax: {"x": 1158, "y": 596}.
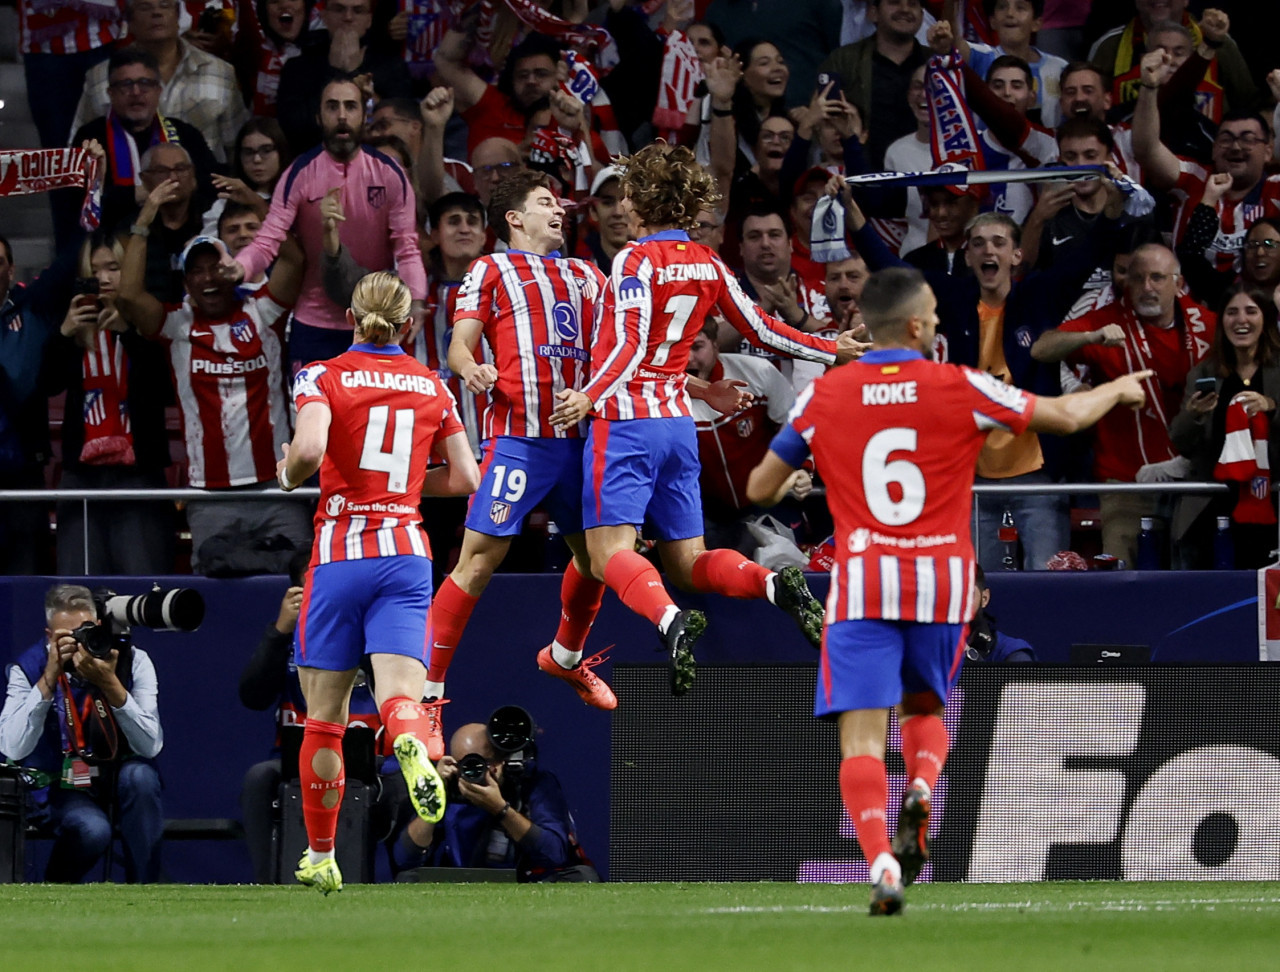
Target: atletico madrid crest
{"x": 499, "y": 512}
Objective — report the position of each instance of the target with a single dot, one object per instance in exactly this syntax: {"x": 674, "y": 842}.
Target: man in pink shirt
{"x": 379, "y": 225}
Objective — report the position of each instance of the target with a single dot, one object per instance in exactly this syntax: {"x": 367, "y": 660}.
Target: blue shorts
{"x": 871, "y": 664}
{"x": 351, "y": 608}
{"x": 518, "y": 474}
{"x": 643, "y": 467}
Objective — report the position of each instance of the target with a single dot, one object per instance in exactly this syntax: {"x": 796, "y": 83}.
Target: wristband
{"x": 283, "y": 479}
{"x": 1150, "y": 87}
{"x": 503, "y": 812}
{"x": 722, "y": 112}
{"x": 136, "y": 230}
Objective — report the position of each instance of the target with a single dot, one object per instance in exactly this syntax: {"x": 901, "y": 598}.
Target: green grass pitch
{"x": 1089, "y": 926}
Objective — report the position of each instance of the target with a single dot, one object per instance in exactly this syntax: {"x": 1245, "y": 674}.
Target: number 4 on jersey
{"x": 394, "y": 463}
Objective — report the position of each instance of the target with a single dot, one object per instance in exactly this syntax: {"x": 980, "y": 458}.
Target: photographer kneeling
{"x": 503, "y": 811}
{"x": 80, "y": 714}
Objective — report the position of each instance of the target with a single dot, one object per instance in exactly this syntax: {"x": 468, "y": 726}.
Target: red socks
{"x": 924, "y": 748}
{"x": 450, "y": 611}
{"x": 730, "y": 573}
{"x": 638, "y": 585}
{"x": 864, "y": 788}
{"x": 580, "y": 599}
{"x": 400, "y": 715}
{"x": 321, "y": 797}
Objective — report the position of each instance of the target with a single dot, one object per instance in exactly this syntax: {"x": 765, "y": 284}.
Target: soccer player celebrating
{"x": 535, "y": 310}
{"x": 368, "y": 420}
{"x": 900, "y": 489}
{"x": 641, "y": 456}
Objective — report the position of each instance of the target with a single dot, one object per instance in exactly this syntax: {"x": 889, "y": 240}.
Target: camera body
{"x": 511, "y": 734}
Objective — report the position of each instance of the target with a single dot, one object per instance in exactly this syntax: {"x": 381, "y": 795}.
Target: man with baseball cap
{"x": 612, "y": 228}
{"x": 225, "y": 351}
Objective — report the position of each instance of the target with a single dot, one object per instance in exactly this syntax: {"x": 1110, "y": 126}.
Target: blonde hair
{"x": 667, "y": 186}
{"x": 380, "y": 304}
{"x": 93, "y": 243}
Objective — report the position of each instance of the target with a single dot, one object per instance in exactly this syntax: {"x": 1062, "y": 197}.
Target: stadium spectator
{"x": 610, "y": 223}
{"x": 179, "y": 218}
{"x": 844, "y": 282}
{"x": 1153, "y": 328}
{"x": 1120, "y": 53}
{"x": 768, "y": 277}
{"x": 113, "y": 429}
{"x": 401, "y": 117}
{"x": 59, "y": 43}
{"x": 369, "y": 583}
{"x": 226, "y": 359}
{"x": 904, "y": 611}
{"x": 730, "y": 446}
{"x": 949, "y": 210}
{"x": 347, "y": 51}
{"x": 260, "y": 155}
{"x": 989, "y": 321}
{"x": 913, "y": 153}
{"x": 709, "y": 230}
{"x": 514, "y": 815}
{"x": 270, "y": 34}
{"x": 1244, "y": 369}
{"x": 438, "y": 175}
{"x": 804, "y": 32}
{"x": 98, "y": 765}
{"x": 379, "y": 228}
{"x": 197, "y": 87}
{"x": 805, "y": 193}
{"x": 876, "y": 72}
{"x": 237, "y": 227}
{"x": 985, "y": 643}
{"x": 1016, "y": 23}
{"x": 29, "y": 318}
{"x": 1260, "y": 252}
{"x": 761, "y": 184}
{"x": 759, "y": 94}
{"x": 131, "y": 125}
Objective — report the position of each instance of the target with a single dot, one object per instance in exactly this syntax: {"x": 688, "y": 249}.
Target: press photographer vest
{"x": 47, "y": 756}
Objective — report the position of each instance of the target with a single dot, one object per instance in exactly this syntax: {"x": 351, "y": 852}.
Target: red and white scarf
{"x": 681, "y": 74}
{"x": 108, "y": 436}
{"x": 122, "y": 147}
{"x": 1245, "y": 460}
{"x": 953, "y": 133}
{"x": 28, "y": 171}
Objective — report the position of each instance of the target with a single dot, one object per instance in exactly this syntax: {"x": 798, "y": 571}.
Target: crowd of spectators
{"x": 312, "y": 141}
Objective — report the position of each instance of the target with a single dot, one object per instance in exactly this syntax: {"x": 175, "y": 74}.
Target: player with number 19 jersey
{"x": 388, "y": 414}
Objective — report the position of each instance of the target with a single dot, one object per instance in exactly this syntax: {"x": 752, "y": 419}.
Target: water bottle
{"x": 1148, "y": 552}
{"x": 1008, "y": 537}
{"x": 1224, "y": 551}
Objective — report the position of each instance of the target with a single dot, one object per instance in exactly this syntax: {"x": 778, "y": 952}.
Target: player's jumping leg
{"x": 864, "y": 788}
{"x": 450, "y": 611}
{"x": 397, "y": 680}
{"x": 924, "y": 750}
{"x": 639, "y": 586}
{"x": 321, "y": 774}
{"x": 580, "y": 597}
{"x": 729, "y": 573}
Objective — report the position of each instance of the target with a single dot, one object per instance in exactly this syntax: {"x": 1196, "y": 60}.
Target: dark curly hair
{"x": 667, "y": 186}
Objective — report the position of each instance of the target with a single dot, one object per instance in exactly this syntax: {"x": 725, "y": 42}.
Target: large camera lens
{"x": 472, "y": 768}
{"x": 180, "y": 609}
{"x": 510, "y": 729}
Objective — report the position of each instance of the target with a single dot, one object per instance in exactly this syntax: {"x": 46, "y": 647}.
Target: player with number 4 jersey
{"x": 896, "y": 438}
{"x": 641, "y": 460}
{"x": 369, "y": 420}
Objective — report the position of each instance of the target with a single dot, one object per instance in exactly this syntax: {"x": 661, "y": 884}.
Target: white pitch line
{"x": 1121, "y": 905}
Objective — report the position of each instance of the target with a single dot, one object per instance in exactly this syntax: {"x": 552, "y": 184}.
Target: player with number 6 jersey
{"x": 368, "y": 420}
{"x": 896, "y": 438}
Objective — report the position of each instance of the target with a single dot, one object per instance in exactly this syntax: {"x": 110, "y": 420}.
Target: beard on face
{"x": 341, "y": 139}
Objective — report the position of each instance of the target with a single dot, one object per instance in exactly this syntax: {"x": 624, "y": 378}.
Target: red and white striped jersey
{"x": 431, "y": 347}
{"x": 389, "y": 414}
{"x": 228, "y": 376}
{"x": 537, "y": 312}
{"x": 896, "y": 439}
{"x": 661, "y": 292}
{"x": 1234, "y": 219}
{"x": 54, "y": 27}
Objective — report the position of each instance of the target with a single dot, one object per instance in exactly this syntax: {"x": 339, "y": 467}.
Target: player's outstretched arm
{"x": 1071, "y": 413}
{"x": 459, "y": 476}
{"x": 302, "y": 456}
{"x": 728, "y": 396}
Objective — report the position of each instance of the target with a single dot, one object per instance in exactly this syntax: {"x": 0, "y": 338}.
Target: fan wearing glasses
{"x": 1242, "y": 149}
{"x": 131, "y": 126}
{"x": 1259, "y": 253}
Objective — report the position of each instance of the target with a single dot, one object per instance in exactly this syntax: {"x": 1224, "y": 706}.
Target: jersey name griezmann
{"x": 677, "y": 272}
{"x": 421, "y": 384}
